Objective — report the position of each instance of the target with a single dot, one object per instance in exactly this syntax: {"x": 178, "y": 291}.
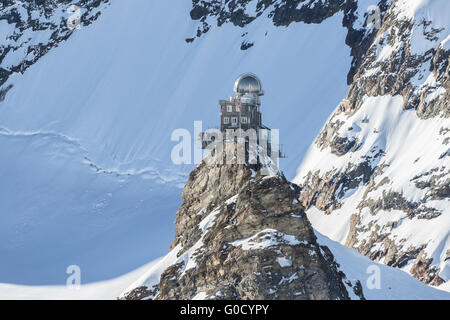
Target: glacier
{"x": 86, "y": 175}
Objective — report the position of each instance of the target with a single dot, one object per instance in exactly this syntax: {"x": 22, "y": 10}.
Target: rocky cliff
{"x": 384, "y": 151}
{"x": 243, "y": 235}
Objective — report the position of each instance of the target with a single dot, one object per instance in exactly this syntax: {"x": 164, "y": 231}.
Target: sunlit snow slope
{"x": 85, "y": 168}
{"x": 377, "y": 177}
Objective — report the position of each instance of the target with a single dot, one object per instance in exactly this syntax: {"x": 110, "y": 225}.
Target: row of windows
{"x": 234, "y": 120}
{"x": 230, "y": 108}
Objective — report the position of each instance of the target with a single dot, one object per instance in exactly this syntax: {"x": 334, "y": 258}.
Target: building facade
{"x": 243, "y": 110}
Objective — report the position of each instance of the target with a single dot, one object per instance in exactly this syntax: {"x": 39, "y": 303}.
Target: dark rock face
{"x": 142, "y": 292}
{"x": 325, "y": 191}
{"x": 38, "y": 17}
{"x": 246, "y": 237}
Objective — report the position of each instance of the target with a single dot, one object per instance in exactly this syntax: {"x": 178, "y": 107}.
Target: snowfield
{"x": 408, "y": 153}
{"x": 395, "y": 284}
{"x": 86, "y": 176}
{"x": 104, "y": 290}
{"x": 88, "y": 179}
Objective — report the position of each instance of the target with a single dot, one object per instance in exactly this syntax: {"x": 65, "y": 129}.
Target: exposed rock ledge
{"x": 243, "y": 235}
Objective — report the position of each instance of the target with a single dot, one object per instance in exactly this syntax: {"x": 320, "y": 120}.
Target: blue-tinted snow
{"x": 86, "y": 130}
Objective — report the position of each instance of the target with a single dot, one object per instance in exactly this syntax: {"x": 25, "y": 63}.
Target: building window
{"x": 234, "y": 120}
{"x": 243, "y": 119}
{"x": 226, "y": 120}
{"x": 230, "y": 108}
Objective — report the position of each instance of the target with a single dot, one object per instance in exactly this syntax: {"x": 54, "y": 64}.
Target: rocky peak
{"x": 243, "y": 235}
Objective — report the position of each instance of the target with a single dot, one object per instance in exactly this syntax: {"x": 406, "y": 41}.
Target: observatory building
{"x": 240, "y": 117}
{"x": 243, "y": 110}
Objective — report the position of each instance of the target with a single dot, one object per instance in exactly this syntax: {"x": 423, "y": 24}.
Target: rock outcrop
{"x": 243, "y": 235}
{"x": 398, "y": 97}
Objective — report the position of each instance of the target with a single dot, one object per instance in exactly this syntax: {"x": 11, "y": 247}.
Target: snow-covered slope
{"x": 58, "y": 209}
{"x": 86, "y": 117}
{"x": 104, "y": 290}
{"x": 87, "y": 178}
{"x": 394, "y": 284}
{"x": 377, "y": 177}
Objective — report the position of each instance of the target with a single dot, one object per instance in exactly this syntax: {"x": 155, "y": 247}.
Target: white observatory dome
{"x": 248, "y": 83}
